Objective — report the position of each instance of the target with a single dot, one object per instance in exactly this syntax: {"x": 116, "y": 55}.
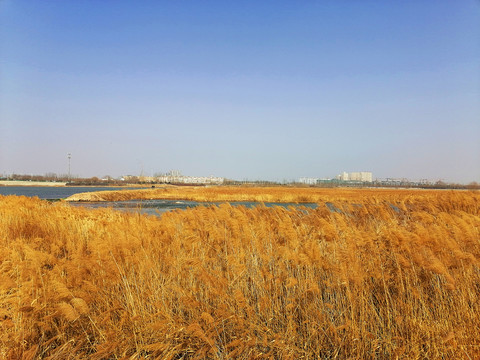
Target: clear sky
{"x": 271, "y": 90}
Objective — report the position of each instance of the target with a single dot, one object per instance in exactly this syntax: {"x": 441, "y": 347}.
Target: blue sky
{"x": 272, "y": 90}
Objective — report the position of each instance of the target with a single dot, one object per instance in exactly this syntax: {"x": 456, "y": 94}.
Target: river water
{"x": 151, "y": 207}
{"x": 50, "y": 193}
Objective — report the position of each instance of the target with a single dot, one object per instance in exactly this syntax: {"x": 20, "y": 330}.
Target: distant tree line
{"x": 75, "y": 180}
{"x": 69, "y": 180}
{"x": 46, "y": 177}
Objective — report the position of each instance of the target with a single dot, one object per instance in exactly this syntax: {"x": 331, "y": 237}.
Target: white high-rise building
{"x": 308, "y": 181}
{"x": 364, "y": 176}
{"x": 344, "y": 176}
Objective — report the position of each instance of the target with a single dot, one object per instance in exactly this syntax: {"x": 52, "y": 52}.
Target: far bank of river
{"x": 31, "y": 183}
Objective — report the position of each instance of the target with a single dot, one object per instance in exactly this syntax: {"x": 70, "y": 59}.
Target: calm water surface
{"x": 47, "y": 192}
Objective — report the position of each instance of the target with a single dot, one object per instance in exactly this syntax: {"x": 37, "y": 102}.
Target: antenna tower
{"x": 69, "y": 157}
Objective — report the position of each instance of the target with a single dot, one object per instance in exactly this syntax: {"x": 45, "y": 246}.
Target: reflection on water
{"x": 158, "y": 207}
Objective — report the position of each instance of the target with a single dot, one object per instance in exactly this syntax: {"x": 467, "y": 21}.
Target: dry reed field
{"x": 281, "y": 194}
{"x": 377, "y": 274}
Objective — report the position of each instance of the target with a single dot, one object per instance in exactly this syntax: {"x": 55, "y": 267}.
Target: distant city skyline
{"x": 252, "y": 90}
{"x": 176, "y": 176}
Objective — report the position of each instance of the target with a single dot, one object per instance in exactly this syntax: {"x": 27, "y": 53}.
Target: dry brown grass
{"x": 281, "y": 194}
{"x": 389, "y": 275}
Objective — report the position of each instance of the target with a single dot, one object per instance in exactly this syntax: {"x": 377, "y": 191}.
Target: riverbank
{"x": 31, "y": 183}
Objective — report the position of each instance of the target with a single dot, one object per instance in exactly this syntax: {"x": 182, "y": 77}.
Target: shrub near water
{"x": 373, "y": 280}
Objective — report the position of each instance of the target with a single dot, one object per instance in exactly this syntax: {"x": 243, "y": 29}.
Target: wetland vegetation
{"x": 386, "y": 274}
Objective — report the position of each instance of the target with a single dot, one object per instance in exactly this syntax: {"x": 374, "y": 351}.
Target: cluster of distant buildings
{"x": 353, "y": 177}
{"x": 365, "y": 178}
{"x": 176, "y": 177}
{"x": 357, "y": 178}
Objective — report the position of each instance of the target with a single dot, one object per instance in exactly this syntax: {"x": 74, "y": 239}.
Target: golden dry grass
{"x": 384, "y": 275}
{"x": 281, "y": 194}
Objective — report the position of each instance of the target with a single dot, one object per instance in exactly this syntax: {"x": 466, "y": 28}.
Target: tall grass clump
{"x": 389, "y": 275}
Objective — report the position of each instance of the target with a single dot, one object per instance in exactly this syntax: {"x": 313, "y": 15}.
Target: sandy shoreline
{"x": 30, "y": 183}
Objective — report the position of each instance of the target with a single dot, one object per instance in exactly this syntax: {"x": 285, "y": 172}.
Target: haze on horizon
{"x": 267, "y": 90}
